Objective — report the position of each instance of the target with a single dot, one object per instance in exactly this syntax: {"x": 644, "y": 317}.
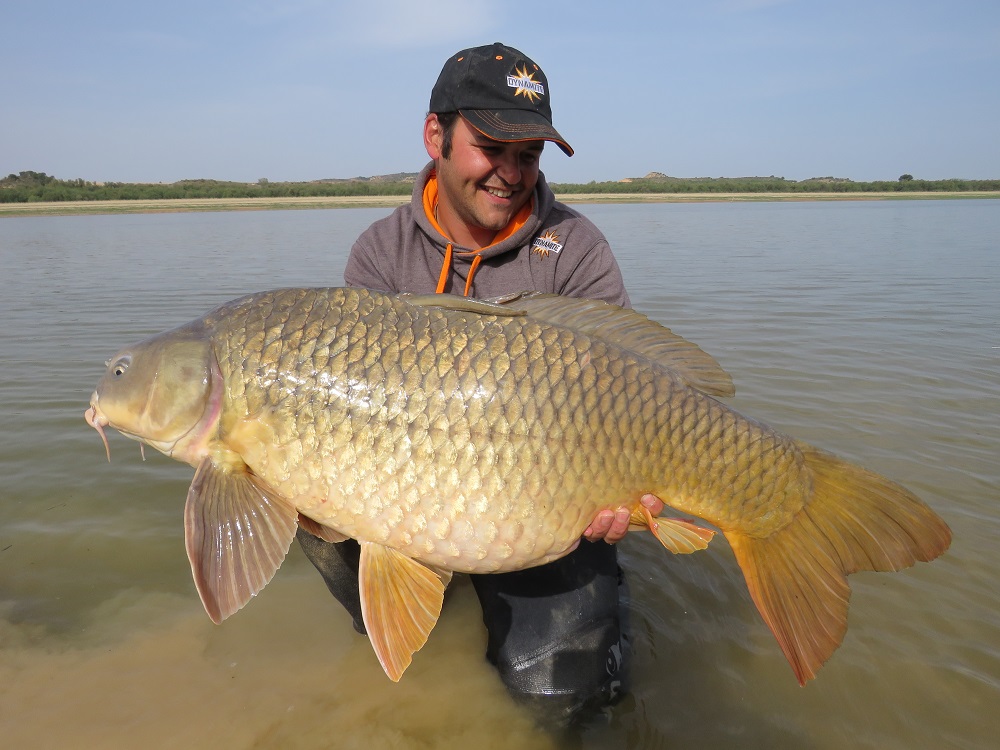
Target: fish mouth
{"x": 98, "y": 421}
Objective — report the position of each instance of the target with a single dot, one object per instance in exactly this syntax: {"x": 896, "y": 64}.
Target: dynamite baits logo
{"x": 525, "y": 84}
{"x": 546, "y": 243}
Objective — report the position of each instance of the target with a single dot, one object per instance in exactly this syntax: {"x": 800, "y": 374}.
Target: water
{"x": 870, "y": 329}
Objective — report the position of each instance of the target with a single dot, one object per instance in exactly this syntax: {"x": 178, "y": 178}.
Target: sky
{"x": 136, "y": 91}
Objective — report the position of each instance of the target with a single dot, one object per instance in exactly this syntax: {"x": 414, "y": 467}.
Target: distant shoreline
{"x": 184, "y": 205}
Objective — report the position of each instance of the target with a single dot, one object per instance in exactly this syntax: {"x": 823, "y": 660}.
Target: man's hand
{"x": 611, "y": 525}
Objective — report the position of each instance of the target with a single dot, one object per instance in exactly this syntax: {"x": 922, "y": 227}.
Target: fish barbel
{"x": 480, "y": 436}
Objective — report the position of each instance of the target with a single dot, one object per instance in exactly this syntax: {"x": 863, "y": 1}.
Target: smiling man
{"x": 483, "y": 222}
{"x": 482, "y": 183}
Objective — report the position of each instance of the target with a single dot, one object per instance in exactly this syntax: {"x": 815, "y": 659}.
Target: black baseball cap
{"x": 501, "y": 92}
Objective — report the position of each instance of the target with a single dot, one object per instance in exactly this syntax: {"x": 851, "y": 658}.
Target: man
{"x": 483, "y": 222}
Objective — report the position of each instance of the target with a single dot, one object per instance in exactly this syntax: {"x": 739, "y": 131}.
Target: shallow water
{"x": 869, "y": 329}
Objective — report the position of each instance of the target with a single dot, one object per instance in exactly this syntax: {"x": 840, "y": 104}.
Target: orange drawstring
{"x": 472, "y": 270}
{"x": 445, "y": 268}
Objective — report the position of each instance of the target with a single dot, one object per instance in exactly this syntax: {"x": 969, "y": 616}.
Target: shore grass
{"x": 70, "y": 208}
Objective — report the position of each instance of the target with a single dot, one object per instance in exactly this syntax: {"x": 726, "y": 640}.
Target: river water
{"x": 871, "y": 329}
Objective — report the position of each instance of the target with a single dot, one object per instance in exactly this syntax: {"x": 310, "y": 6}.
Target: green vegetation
{"x": 657, "y": 182}
{"x": 31, "y": 187}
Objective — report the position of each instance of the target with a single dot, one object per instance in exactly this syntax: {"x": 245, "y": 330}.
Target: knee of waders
{"x": 338, "y": 564}
{"x": 556, "y": 633}
{"x": 572, "y": 679}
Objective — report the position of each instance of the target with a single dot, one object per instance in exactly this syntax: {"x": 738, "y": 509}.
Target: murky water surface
{"x": 870, "y": 329}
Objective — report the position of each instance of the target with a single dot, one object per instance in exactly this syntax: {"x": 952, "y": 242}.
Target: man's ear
{"x": 433, "y": 136}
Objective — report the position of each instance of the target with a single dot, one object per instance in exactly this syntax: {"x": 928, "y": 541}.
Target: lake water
{"x": 871, "y": 329}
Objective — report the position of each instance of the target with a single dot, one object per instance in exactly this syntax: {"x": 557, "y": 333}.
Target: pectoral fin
{"x": 237, "y": 531}
{"x": 400, "y": 603}
{"x": 678, "y": 535}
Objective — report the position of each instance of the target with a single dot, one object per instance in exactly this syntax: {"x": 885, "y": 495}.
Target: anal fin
{"x": 678, "y": 535}
{"x": 400, "y": 602}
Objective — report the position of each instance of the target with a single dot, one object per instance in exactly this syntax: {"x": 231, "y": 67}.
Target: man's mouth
{"x": 499, "y": 192}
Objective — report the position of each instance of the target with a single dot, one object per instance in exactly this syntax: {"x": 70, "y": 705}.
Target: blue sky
{"x": 155, "y": 92}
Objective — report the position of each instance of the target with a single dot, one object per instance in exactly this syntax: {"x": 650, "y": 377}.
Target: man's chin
{"x": 496, "y": 217}
{"x": 492, "y": 221}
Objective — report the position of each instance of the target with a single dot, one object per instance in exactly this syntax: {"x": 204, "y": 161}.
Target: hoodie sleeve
{"x": 362, "y": 269}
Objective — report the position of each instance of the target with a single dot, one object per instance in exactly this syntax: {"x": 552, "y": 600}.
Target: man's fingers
{"x": 612, "y": 525}
{"x": 619, "y": 526}
{"x": 600, "y": 525}
{"x": 653, "y": 503}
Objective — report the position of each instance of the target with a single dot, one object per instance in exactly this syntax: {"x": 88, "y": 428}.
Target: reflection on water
{"x": 870, "y": 329}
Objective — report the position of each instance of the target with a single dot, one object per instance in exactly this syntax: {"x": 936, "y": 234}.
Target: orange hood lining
{"x": 430, "y": 200}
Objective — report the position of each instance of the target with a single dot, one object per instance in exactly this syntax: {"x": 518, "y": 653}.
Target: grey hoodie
{"x": 556, "y": 250}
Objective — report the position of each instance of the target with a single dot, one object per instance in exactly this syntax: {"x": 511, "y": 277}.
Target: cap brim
{"x": 509, "y": 125}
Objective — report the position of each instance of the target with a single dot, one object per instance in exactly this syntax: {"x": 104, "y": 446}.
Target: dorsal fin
{"x": 494, "y": 306}
{"x": 630, "y": 330}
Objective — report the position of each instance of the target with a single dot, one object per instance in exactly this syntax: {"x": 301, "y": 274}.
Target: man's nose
{"x": 509, "y": 169}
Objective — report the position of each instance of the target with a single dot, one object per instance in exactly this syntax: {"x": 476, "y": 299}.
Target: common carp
{"x": 453, "y": 435}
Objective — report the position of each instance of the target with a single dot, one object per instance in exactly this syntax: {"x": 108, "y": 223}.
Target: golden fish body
{"x": 473, "y": 443}
{"x": 453, "y": 435}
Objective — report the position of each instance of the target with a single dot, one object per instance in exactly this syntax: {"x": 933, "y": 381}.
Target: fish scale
{"x": 481, "y": 436}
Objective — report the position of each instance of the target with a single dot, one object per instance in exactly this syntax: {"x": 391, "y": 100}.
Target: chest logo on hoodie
{"x": 546, "y": 243}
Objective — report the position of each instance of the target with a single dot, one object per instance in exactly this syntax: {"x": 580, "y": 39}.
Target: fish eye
{"x": 120, "y": 367}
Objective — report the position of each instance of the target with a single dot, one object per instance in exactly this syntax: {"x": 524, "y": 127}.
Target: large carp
{"x": 447, "y": 434}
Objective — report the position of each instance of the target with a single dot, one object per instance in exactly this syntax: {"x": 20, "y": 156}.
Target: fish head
{"x": 164, "y": 392}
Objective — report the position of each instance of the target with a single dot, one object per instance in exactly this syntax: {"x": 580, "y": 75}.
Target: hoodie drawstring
{"x": 445, "y": 269}
{"x": 472, "y": 270}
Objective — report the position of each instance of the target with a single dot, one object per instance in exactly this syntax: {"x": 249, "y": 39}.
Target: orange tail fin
{"x": 855, "y": 520}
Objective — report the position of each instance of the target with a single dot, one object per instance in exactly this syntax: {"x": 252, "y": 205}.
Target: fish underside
{"x": 481, "y": 436}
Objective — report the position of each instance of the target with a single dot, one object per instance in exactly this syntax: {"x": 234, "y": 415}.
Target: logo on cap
{"x": 526, "y": 85}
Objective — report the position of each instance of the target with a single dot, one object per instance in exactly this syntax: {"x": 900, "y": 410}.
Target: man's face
{"x": 483, "y": 183}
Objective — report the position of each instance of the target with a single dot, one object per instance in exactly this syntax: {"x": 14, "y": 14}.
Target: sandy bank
{"x": 64, "y": 208}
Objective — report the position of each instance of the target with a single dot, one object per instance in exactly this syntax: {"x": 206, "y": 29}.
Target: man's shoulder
{"x": 569, "y": 213}
{"x": 577, "y": 231}
{"x": 401, "y": 219}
